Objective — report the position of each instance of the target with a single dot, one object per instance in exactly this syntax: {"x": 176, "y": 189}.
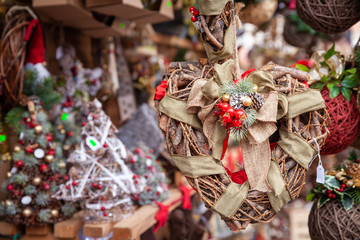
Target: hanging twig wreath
{"x": 13, "y": 53}
{"x": 292, "y": 116}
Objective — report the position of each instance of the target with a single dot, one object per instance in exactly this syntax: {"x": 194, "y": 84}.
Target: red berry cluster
{"x": 195, "y": 13}
{"x": 332, "y": 194}
{"x": 69, "y": 102}
{"x": 229, "y": 116}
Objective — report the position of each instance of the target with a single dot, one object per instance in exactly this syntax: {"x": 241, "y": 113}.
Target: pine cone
{"x": 257, "y": 100}
{"x": 236, "y": 101}
{"x": 353, "y": 170}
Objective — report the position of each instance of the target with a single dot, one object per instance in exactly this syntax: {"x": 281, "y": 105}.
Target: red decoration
{"x": 161, "y": 216}
{"x": 29, "y": 150}
{"x": 51, "y": 152}
{"x": 99, "y": 186}
{"x": 245, "y": 74}
{"x": 74, "y": 183}
{"x": 94, "y": 185}
{"x": 102, "y": 208}
{"x": 66, "y": 177}
{"x": 344, "y": 125}
{"x": 19, "y": 164}
{"x": 160, "y": 90}
{"x": 306, "y": 62}
{"x": 105, "y": 214}
{"x": 94, "y": 117}
{"x": 49, "y": 138}
{"x": 70, "y": 134}
{"x": 10, "y": 188}
{"x": 83, "y": 123}
{"x": 46, "y": 186}
{"x": 191, "y": 10}
{"x": 237, "y": 177}
{"x": 186, "y": 197}
{"x": 105, "y": 145}
{"x": 36, "y": 49}
{"x": 44, "y": 168}
{"x": 67, "y": 186}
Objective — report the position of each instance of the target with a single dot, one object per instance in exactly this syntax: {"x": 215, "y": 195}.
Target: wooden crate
{"x": 69, "y": 229}
{"x": 120, "y": 8}
{"x": 143, "y": 218}
{"x": 69, "y": 13}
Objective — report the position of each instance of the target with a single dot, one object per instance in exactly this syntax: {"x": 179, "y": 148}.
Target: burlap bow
{"x": 256, "y": 151}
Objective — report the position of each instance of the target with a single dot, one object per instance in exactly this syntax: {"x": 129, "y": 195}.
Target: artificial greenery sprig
{"x": 335, "y": 82}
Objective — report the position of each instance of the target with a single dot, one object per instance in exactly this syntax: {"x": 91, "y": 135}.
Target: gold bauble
{"x": 66, "y": 147}
{"x": 247, "y": 101}
{"x": 49, "y": 158}
{"x": 27, "y": 212}
{"x": 350, "y": 183}
{"x": 225, "y": 97}
{"x": 17, "y": 149}
{"x": 62, "y": 164}
{"x": 8, "y": 203}
{"x": 54, "y": 213}
{"x": 38, "y": 129}
{"x": 9, "y": 174}
{"x": 36, "y": 180}
{"x": 28, "y": 120}
{"x": 60, "y": 126}
{"x": 62, "y": 131}
{"x": 255, "y": 87}
{"x": 6, "y": 157}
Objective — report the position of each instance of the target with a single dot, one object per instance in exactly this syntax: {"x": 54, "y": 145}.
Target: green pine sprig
{"x": 42, "y": 199}
{"x": 20, "y": 179}
{"x": 30, "y": 189}
{"x": 353, "y": 156}
{"x": 242, "y": 87}
{"x": 68, "y": 209}
{"x": 44, "y": 215}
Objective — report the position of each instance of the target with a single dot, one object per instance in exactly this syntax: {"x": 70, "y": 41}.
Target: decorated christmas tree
{"x": 99, "y": 176}
{"x": 37, "y": 171}
{"x": 143, "y": 163}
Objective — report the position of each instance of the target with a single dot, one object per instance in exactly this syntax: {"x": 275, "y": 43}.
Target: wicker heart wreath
{"x": 286, "y": 112}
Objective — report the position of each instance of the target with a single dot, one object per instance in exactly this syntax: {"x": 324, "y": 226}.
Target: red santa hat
{"x": 36, "y": 50}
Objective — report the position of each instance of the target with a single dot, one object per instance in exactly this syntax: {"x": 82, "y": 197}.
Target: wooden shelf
{"x": 143, "y": 218}
{"x": 174, "y": 41}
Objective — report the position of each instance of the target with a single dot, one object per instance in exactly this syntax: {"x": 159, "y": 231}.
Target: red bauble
{"x": 44, "y": 168}
{"x": 105, "y": 214}
{"x": 70, "y": 134}
{"x": 66, "y": 177}
{"x": 193, "y": 18}
{"x": 29, "y": 150}
{"x": 74, "y": 183}
{"x": 191, "y": 9}
{"x": 10, "y": 188}
{"x": 19, "y": 164}
{"x": 105, "y": 145}
{"x": 196, "y": 12}
{"x": 102, "y": 208}
{"x": 51, "y": 152}
{"x": 344, "y": 125}
{"x": 99, "y": 186}
{"x": 49, "y": 138}
{"x": 239, "y": 113}
{"x": 83, "y": 123}
{"x": 94, "y": 185}
{"x": 46, "y": 186}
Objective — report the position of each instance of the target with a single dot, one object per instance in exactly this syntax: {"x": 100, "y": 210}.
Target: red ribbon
{"x": 225, "y": 144}
{"x": 186, "y": 197}
{"x": 238, "y": 177}
{"x": 245, "y": 74}
{"x": 306, "y": 62}
{"x": 230, "y": 161}
{"x": 273, "y": 145}
{"x": 160, "y": 90}
{"x": 161, "y": 216}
